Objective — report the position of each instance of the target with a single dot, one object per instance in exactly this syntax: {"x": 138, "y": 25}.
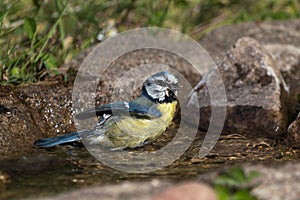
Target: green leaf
{"x": 51, "y": 63}
{"x": 243, "y": 195}
{"x": 2, "y": 17}
{"x": 235, "y": 177}
{"x": 252, "y": 175}
{"x": 238, "y": 174}
{"x": 15, "y": 72}
{"x": 50, "y": 34}
{"x": 226, "y": 180}
{"x": 29, "y": 27}
{"x": 222, "y": 193}
{"x": 23, "y": 70}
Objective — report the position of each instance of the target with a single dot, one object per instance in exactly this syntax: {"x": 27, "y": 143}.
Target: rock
{"x": 281, "y": 38}
{"x": 294, "y": 133}
{"x": 31, "y": 112}
{"x": 188, "y": 191}
{"x": 275, "y": 32}
{"x": 154, "y": 189}
{"x": 254, "y": 89}
{"x": 38, "y": 162}
{"x": 129, "y": 190}
{"x": 287, "y": 59}
{"x": 4, "y": 178}
{"x": 276, "y": 182}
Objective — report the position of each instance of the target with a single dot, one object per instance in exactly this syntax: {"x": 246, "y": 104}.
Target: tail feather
{"x": 50, "y": 142}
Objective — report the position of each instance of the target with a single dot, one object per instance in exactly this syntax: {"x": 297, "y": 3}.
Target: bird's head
{"x": 161, "y": 87}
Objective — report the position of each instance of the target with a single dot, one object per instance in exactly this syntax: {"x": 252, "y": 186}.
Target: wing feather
{"x": 122, "y": 108}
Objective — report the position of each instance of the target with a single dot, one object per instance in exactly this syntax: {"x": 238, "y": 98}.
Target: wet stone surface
{"x": 34, "y": 111}
{"x": 294, "y": 133}
{"x": 277, "y": 181}
{"x": 255, "y": 91}
{"x": 287, "y": 59}
{"x": 280, "y": 38}
{"x": 69, "y": 168}
{"x": 30, "y": 112}
{"x": 123, "y": 79}
{"x": 267, "y": 33}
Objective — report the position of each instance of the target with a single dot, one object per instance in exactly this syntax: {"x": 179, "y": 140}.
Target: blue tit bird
{"x": 149, "y": 116}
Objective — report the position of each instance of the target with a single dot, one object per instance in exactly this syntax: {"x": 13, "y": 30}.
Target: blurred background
{"x": 37, "y": 37}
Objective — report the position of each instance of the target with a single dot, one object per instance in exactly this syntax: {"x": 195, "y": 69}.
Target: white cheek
{"x": 167, "y": 93}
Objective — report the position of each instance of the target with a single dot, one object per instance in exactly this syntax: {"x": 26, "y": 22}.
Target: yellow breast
{"x": 132, "y": 132}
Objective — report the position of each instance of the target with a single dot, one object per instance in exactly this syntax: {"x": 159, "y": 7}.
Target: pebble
{"x": 188, "y": 191}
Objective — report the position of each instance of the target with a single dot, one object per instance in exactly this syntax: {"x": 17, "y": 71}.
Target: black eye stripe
{"x": 161, "y": 87}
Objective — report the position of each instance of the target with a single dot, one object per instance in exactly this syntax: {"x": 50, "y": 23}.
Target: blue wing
{"x": 51, "y": 142}
{"x": 134, "y": 108}
{"x": 140, "y": 108}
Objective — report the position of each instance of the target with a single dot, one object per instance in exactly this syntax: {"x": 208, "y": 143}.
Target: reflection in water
{"x": 51, "y": 171}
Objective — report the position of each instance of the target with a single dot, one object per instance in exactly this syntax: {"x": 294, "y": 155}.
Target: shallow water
{"x": 47, "y": 172}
